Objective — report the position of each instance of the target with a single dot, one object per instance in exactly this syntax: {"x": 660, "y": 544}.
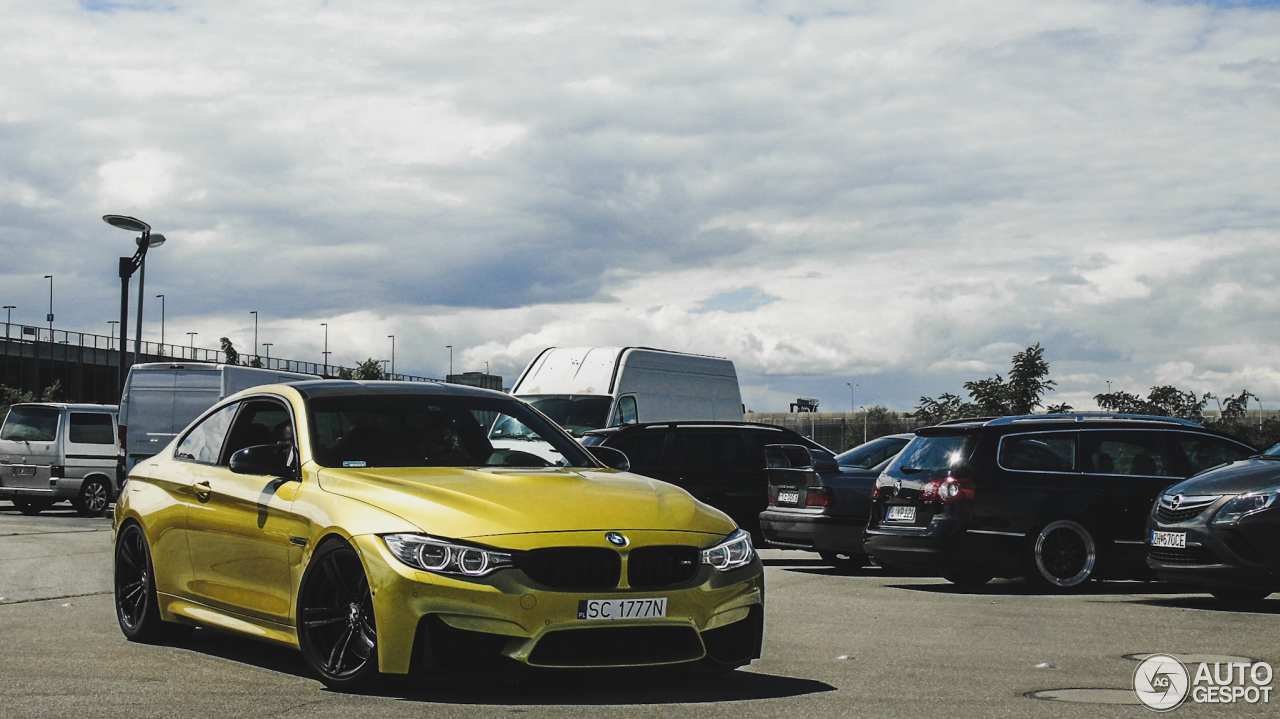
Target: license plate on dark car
{"x": 901, "y": 514}
{"x": 788, "y": 496}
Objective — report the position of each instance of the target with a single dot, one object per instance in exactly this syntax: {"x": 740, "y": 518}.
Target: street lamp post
{"x": 111, "y": 341}
{"x": 50, "y": 317}
{"x": 450, "y": 348}
{"x": 129, "y": 265}
{"x": 255, "y": 331}
{"x": 153, "y": 241}
{"x": 864, "y": 424}
{"x": 851, "y": 387}
{"x": 1259, "y": 411}
{"x": 8, "y": 318}
{"x": 161, "y": 298}
{"x": 393, "y": 353}
{"x": 268, "y": 346}
{"x": 325, "y": 325}
{"x": 192, "y": 335}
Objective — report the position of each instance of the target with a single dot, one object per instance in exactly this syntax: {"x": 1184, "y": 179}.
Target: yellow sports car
{"x": 374, "y": 526}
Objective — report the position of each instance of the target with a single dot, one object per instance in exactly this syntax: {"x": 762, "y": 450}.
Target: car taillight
{"x": 951, "y": 489}
{"x": 875, "y": 492}
{"x": 819, "y": 497}
{"x": 124, "y": 443}
{"x": 773, "y": 495}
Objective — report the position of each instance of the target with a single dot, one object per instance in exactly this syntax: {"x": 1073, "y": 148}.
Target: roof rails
{"x": 1094, "y": 416}
{"x": 967, "y": 420}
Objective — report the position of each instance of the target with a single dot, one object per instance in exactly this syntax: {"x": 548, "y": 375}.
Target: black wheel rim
{"x": 132, "y": 578}
{"x": 95, "y": 497}
{"x": 336, "y": 616}
{"x": 1065, "y": 555}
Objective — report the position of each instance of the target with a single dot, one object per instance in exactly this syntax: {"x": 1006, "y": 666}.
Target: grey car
{"x": 52, "y": 451}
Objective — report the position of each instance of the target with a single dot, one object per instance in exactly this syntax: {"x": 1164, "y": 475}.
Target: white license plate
{"x": 901, "y": 514}
{"x": 24, "y": 471}
{"x": 788, "y": 497}
{"x": 594, "y": 609}
{"x": 1177, "y": 540}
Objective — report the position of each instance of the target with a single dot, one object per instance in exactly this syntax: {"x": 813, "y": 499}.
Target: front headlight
{"x": 1244, "y": 505}
{"x": 436, "y": 555}
{"x": 734, "y": 552}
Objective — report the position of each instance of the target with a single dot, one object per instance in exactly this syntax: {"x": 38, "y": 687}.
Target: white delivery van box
{"x": 160, "y": 399}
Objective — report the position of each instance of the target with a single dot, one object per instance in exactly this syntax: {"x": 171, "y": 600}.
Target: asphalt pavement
{"x": 865, "y": 645}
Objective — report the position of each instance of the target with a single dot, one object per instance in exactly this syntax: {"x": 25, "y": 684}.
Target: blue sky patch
{"x": 745, "y": 299}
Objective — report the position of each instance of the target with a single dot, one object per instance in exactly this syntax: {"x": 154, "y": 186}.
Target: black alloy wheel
{"x": 337, "y": 631}
{"x": 1063, "y": 556}
{"x": 1239, "y": 595}
{"x": 135, "y": 592}
{"x": 93, "y": 498}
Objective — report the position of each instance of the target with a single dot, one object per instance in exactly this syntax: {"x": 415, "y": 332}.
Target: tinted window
{"x": 933, "y": 452}
{"x": 717, "y": 450}
{"x": 260, "y": 422}
{"x": 643, "y": 449}
{"x": 91, "y": 428}
{"x": 1205, "y": 452}
{"x": 1039, "y": 452}
{"x": 872, "y": 453}
{"x": 203, "y": 443}
{"x": 31, "y": 424}
{"x": 431, "y": 431}
{"x": 1134, "y": 453}
{"x": 575, "y": 413}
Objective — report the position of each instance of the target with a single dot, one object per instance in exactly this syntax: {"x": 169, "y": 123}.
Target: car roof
{"x": 1067, "y": 417}
{"x": 313, "y": 389}
{"x": 674, "y": 424}
{"x": 77, "y": 406}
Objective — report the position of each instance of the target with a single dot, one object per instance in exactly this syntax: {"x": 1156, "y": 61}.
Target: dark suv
{"x": 720, "y": 463}
{"x": 1058, "y": 499}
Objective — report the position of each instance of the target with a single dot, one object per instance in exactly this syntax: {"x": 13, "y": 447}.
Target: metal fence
{"x": 836, "y": 431}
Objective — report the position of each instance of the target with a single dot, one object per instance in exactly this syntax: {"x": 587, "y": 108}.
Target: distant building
{"x": 477, "y": 379}
{"x": 804, "y": 404}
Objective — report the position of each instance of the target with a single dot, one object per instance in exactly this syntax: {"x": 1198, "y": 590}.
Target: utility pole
{"x": 50, "y": 317}
{"x": 450, "y": 348}
{"x": 161, "y": 298}
{"x": 192, "y": 335}
{"x": 255, "y": 331}
{"x": 8, "y": 318}
{"x": 325, "y": 325}
{"x": 111, "y": 341}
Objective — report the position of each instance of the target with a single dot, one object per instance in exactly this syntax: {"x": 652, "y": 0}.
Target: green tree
{"x": 1162, "y": 401}
{"x": 1020, "y": 394}
{"x": 369, "y": 369}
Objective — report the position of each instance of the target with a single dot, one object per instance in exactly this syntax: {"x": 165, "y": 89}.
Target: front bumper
{"x": 1236, "y": 556}
{"x": 812, "y": 530}
{"x": 443, "y": 621}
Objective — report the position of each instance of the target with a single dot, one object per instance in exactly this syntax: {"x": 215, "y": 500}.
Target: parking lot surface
{"x": 836, "y": 645}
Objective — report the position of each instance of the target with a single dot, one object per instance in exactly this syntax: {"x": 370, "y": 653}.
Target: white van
{"x": 586, "y": 388}
{"x": 51, "y": 451}
{"x": 160, "y": 399}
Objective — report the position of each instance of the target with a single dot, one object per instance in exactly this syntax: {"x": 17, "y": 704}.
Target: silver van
{"x": 54, "y": 451}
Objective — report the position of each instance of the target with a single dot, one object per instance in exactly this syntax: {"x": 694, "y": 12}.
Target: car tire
{"x": 1062, "y": 557}
{"x": 966, "y": 579}
{"x": 32, "y": 507}
{"x": 337, "y": 630}
{"x": 1238, "y": 595}
{"x": 137, "y": 610}
{"x": 95, "y": 495}
{"x": 844, "y": 561}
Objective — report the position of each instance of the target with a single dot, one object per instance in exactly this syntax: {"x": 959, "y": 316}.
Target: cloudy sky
{"x": 894, "y": 194}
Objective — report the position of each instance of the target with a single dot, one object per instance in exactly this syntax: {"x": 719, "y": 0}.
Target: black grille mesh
{"x": 1188, "y": 556}
{"x": 663, "y": 566}
{"x": 1173, "y": 516}
{"x": 572, "y": 567}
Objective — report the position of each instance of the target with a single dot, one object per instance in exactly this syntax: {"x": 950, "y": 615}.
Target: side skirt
{"x": 187, "y": 612}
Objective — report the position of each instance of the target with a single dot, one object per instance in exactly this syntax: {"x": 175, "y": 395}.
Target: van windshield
{"x": 576, "y": 413}
{"x": 31, "y": 424}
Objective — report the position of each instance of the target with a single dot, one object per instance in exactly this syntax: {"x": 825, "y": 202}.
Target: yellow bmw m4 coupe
{"x": 373, "y": 526}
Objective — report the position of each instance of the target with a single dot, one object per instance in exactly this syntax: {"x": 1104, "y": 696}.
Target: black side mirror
{"x": 269, "y": 460}
{"x": 610, "y": 457}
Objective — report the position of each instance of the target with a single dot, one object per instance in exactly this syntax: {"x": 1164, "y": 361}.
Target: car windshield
{"x": 872, "y": 453}
{"x": 1274, "y": 452}
{"x": 429, "y": 431}
{"x": 576, "y": 413}
{"x": 933, "y": 453}
{"x": 31, "y": 424}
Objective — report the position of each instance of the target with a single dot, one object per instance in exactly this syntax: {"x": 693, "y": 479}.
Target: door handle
{"x": 202, "y": 489}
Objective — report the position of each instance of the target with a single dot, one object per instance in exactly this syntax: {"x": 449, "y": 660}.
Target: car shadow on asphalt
{"x": 527, "y": 686}
{"x": 1211, "y": 604}
{"x": 822, "y": 568}
{"x": 1019, "y": 588}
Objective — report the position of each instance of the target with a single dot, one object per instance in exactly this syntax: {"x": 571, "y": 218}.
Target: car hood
{"x": 461, "y": 503}
{"x": 1245, "y": 475}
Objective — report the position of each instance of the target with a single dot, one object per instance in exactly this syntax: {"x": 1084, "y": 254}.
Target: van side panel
{"x": 147, "y": 407}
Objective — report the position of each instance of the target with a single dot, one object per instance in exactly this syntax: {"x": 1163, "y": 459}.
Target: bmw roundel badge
{"x": 616, "y": 539}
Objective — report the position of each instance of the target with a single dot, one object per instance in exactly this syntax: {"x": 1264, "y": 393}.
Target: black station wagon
{"x": 1058, "y": 499}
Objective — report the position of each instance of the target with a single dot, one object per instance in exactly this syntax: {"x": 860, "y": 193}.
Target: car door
{"x": 1129, "y": 468}
{"x": 91, "y": 445}
{"x": 717, "y": 468}
{"x": 29, "y": 446}
{"x": 240, "y": 526}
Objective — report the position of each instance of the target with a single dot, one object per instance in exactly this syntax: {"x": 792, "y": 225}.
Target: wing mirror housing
{"x": 610, "y": 457}
{"x": 270, "y": 460}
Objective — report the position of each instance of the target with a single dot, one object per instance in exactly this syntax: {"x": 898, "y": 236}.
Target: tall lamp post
{"x": 129, "y": 265}
{"x": 50, "y": 317}
{"x": 152, "y": 241}
{"x": 325, "y": 325}
{"x": 268, "y": 346}
{"x": 393, "y": 353}
{"x": 111, "y": 341}
{"x": 851, "y": 387}
{"x": 161, "y": 298}
{"x": 255, "y": 331}
{"x": 192, "y": 335}
{"x": 450, "y": 348}
{"x": 8, "y": 318}
{"x": 864, "y": 424}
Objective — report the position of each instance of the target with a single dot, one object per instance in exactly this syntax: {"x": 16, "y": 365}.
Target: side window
{"x": 717, "y": 451}
{"x": 643, "y": 449}
{"x": 204, "y": 442}
{"x": 1203, "y": 452}
{"x": 1048, "y": 452}
{"x": 260, "y": 422}
{"x": 92, "y": 428}
{"x": 627, "y": 410}
{"x": 1140, "y": 454}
